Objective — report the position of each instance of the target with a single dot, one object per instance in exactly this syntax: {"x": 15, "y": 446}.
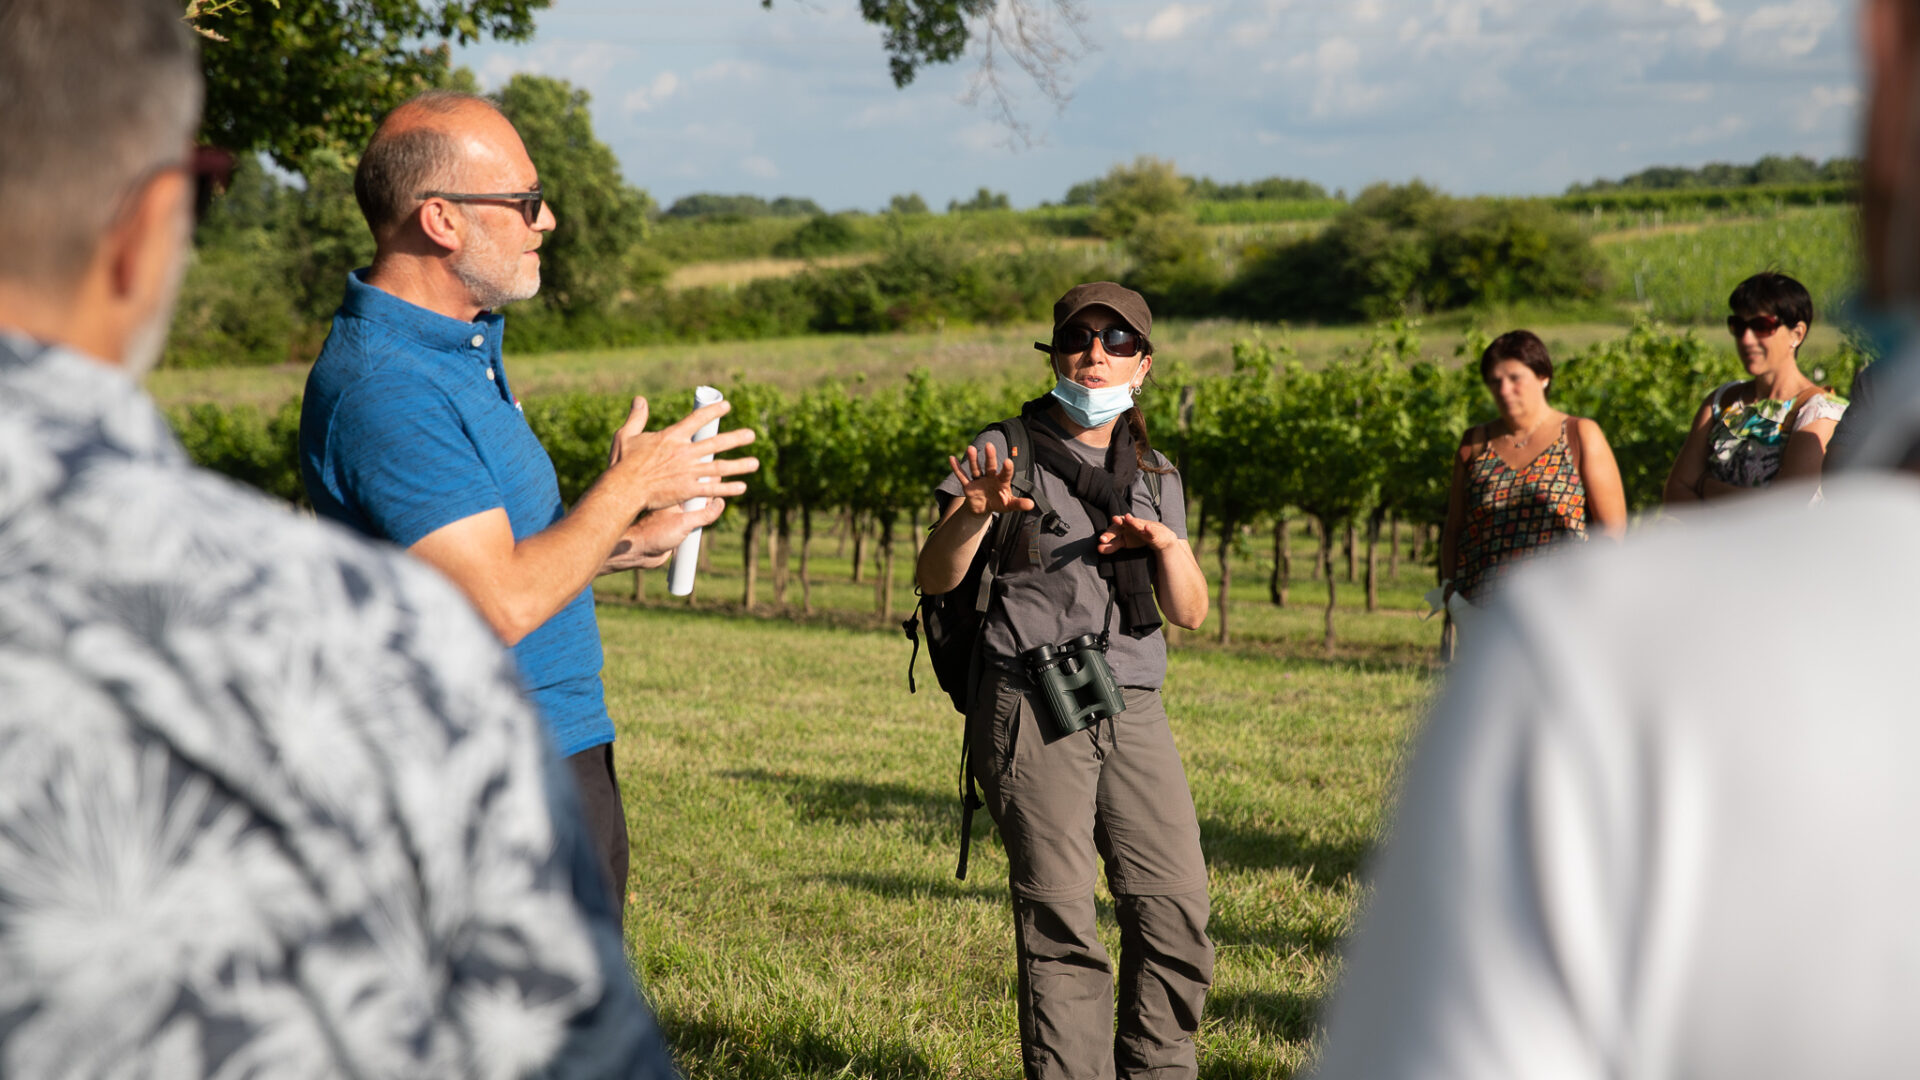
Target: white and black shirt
{"x": 271, "y": 804}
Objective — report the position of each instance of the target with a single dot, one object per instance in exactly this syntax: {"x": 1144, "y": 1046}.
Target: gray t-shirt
{"x": 1050, "y": 589}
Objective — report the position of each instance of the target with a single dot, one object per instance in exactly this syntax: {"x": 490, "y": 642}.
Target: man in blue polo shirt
{"x": 411, "y": 433}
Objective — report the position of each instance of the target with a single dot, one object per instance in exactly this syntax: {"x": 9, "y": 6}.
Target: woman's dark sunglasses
{"x": 1072, "y": 340}
{"x": 1761, "y": 325}
{"x": 530, "y": 201}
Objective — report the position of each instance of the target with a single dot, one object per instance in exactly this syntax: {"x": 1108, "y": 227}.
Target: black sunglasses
{"x": 1119, "y": 341}
{"x": 530, "y": 201}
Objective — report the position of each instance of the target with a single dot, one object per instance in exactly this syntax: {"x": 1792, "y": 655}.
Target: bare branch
{"x": 1044, "y": 39}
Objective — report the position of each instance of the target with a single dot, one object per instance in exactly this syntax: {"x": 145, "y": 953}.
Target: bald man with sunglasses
{"x": 411, "y": 433}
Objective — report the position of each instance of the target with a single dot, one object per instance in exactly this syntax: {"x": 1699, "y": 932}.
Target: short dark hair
{"x": 1522, "y": 345}
{"x": 94, "y": 94}
{"x": 403, "y": 160}
{"x": 1773, "y": 293}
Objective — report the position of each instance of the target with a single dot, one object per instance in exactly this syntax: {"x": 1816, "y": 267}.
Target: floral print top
{"x": 1512, "y": 514}
{"x": 1745, "y": 442}
{"x": 272, "y": 805}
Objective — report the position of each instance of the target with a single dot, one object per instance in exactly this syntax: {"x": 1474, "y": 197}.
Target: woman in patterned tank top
{"x": 1772, "y": 427}
{"x": 1527, "y": 480}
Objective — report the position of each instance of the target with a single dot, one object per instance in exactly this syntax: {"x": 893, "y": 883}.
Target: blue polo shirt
{"x": 409, "y": 425}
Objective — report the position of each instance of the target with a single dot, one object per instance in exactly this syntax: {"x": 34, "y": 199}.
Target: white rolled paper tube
{"x": 687, "y": 556}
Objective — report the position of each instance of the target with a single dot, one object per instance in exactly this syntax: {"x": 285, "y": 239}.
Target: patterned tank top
{"x": 1512, "y": 514}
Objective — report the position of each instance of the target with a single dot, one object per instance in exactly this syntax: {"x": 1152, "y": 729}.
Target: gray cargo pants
{"x": 1116, "y": 790}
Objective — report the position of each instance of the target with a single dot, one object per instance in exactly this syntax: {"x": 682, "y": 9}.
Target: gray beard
{"x": 487, "y": 293}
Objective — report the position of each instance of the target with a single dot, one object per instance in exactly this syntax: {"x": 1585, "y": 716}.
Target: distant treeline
{"x": 1772, "y": 169}
{"x": 708, "y": 205}
{"x": 1207, "y": 189}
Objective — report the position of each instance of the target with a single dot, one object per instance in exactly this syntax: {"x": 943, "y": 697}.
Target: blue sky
{"x": 1476, "y": 96}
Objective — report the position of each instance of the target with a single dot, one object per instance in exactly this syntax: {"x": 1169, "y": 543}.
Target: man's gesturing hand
{"x": 662, "y": 468}
{"x": 989, "y": 488}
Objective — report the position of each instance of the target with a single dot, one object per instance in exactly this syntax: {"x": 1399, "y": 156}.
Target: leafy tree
{"x": 1236, "y": 461}
{"x": 318, "y": 75}
{"x": 1331, "y": 438}
{"x": 908, "y": 204}
{"x": 823, "y": 234}
{"x": 1401, "y": 250}
{"x": 1150, "y": 187}
{"x": 1275, "y": 188}
{"x": 982, "y": 200}
{"x": 601, "y": 219}
{"x": 706, "y": 204}
{"x": 1173, "y": 265}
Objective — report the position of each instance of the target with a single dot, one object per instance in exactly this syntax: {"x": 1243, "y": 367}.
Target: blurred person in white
{"x": 271, "y": 804}
{"x": 1616, "y": 855}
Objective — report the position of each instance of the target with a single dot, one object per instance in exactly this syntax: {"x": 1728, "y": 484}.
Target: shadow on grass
{"x": 1314, "y": 934}
{"x": 856, "y": 802}
{"x": 1349, "y": 657}
{"x": 1280, "y": 1014}
{"x": 910, "y": 887}
{"x": 757, "y": 1052}
{"x": 1324, "y": 863}
{"x": 763, "y": 612}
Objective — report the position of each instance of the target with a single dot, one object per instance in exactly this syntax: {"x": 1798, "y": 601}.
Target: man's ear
{"x": 441, "y": 223}
{"x": 141, "y": 249}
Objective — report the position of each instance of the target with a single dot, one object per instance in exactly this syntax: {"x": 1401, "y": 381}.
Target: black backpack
{"x": 956, "y": 621}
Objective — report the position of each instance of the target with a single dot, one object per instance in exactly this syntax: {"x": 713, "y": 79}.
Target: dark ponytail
{"x": 1142, "y": 449}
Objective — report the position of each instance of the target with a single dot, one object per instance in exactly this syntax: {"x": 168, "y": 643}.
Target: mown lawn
{"x": 794, "y": 819}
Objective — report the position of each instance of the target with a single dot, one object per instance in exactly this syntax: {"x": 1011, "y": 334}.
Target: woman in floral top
{"x": 1531, "y": 478}
{"x": 1774, "y": 425}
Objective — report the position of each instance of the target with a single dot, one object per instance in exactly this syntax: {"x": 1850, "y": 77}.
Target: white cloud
{"x": 503, "y": 66}
{"x": 730, "y": 70}
{"x": 647, "y": 98}
{"x": 1835, "y": 97}
{"x": 761, "y": 167}
{"x": 1706, "y": 11}
{"x": 580, "y": 63}
{"x": 1724, "y": 128}
{"x": 1170, "y": 23}
{"x": 1793, "y": 28}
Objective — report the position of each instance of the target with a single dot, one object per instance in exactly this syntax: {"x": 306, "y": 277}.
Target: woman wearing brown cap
{"x": 1083, "y": 528}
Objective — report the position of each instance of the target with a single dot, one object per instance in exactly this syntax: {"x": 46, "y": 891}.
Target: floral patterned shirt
{"x": 270, "y": 802}
{"x": 1746, "y": 442}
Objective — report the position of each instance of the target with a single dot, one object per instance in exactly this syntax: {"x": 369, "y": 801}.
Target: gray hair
{"x": 407, "y": 156}
{"x": 97, "y": 94}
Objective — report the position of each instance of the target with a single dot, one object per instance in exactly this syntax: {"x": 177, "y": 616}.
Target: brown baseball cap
{"x": 1128, "y": 304}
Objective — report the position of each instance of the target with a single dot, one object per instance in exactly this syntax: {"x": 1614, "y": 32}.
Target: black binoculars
{"x": 1075, "y": 683}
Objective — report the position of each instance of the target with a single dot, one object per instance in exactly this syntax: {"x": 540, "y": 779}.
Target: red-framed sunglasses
{"x": 1761, "y": 325}
{"x": 212, "y": 171}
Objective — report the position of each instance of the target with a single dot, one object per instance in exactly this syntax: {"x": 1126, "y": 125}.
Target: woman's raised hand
{"x": 988, "y": 486}
{"x": 1134, "y": 532}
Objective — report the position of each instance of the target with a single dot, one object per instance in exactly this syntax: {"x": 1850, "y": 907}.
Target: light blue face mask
{"x": 1090, "y": 407}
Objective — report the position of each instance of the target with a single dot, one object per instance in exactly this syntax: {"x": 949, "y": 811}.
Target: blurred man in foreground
{"x": 270, "y": 804}
{"x": 410, "y": 433}
{"x": 1651, "y": 833}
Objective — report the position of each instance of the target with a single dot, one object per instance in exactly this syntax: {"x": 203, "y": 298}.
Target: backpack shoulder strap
{"x": 1006, "y": 526}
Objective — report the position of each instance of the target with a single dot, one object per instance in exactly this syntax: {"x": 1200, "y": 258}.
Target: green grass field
{"x": 794, "y": 819}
